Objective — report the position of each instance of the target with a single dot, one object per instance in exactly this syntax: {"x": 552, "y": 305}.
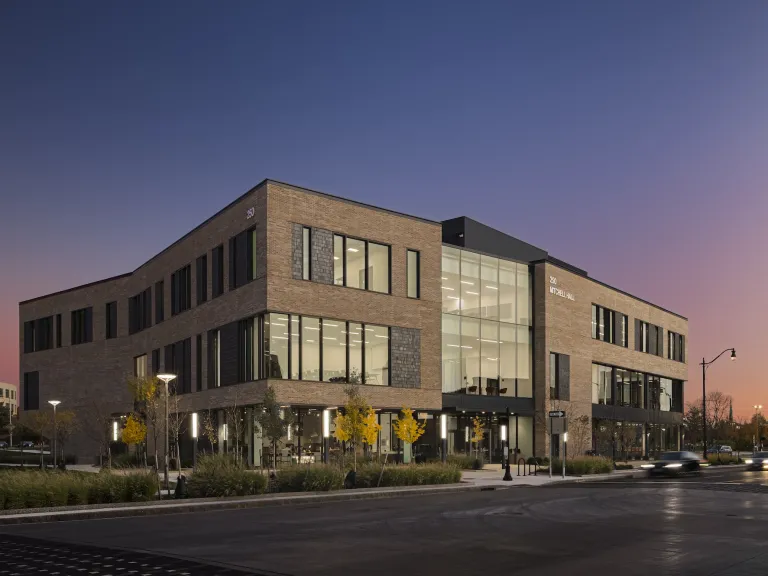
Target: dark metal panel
{"x": 564, "y": 376}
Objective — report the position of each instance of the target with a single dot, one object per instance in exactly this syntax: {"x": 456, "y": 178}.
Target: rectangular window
{"x": 334, "y": 351}
{"x": 608, "y": 325}
{"x": 199, "y": 362}
{"x": 338, "y": 260}
{"x": 310, "y": 348}
{"x": 38, "y": 334}
{"x": 361, "y": 264}
{"x": 201, "y": 278}
{"x": 111, "y": 316}
{"x": 488, "y": 288}
{"x": 649, "y": 338}
{"x": 665, "y": 394}
{"x": 31, "y": 392}
{"x": 82, "y": 326}
{"x": 178, "y": 361}
{"x": 602, "y": 387}
{"x": 159, "y": 301}
{"x": 376, "y": 355}
{"x": 378, "y": 268}
{"x": 58, "y": 331}
{"x": 181, "y": 290}
{"x": 356, "y": 346}
{"x": 140, "y": 311}
{"x": 675, "y": 346}
{"x": 295, "y": 348}
{"x": 623, "y": 388}
{"x": 156, "y": 361}
{"x": 214, "y": 359}
{"x": 242, "y": 254}
{"x": 306, "y": 252}
{"x": 553, "y": 389}
{"x": 276, "y": 341}
{"x": 217, "y": 271}
{"x": 140, "y": 366}
{"x": 246, "y": 335}
{"x": 637, "y": 390}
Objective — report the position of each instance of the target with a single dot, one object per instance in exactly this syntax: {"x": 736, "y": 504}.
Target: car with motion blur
{"x": 3, "y": 444}
{"x": 27, "y": 444}
{"x": 725, "y": 450}
{"x": 758, "y": 461}
{"x": 674, "y": 464}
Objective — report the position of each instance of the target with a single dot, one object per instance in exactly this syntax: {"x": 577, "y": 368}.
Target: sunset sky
{"x": 629, "y": 139}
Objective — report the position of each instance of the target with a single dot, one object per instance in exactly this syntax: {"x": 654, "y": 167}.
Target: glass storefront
{"x": 486, "y": 325}
{"x": 633, "y": 440}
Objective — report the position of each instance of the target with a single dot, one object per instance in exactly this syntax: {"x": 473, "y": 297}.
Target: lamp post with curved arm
{"x": 704, "y": 365}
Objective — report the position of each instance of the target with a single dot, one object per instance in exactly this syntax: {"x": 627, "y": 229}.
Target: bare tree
{"x": 177, "y": 422}
{"x": 579, "y": 434}
{"x": 40, "y": 422}
{"x": 66, "y": 425}
{"x": 96, "y": 422}
{"x": 235, "y": 424}
{"x": 718, "y": 408}
{"x": 208, "y": 428}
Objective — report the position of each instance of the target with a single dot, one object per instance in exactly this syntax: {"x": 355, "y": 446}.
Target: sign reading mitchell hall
{"x": 553, "y": 289}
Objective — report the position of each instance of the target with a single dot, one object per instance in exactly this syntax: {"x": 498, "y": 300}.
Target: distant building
{"x": 9, "y": 397}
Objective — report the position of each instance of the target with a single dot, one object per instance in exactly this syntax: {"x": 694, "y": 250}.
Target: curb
{"x": 234, "y": 503}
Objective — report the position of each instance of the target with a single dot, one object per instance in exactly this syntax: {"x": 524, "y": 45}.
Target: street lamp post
{"x": 194, "y": 440}
{"x": 166, "y": 378}
{"x": 704, "y": 365}
{"x": 53, "y": 403}
{"x": 757, "y": 408}
{"x": 326, "y": 434}
{"x": 444, "y": 438}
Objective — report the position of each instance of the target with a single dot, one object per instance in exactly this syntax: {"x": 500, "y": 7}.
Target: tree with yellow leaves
{"x": 371, "y": 427}
{"x": 149, "y": 395}
{"x": 351, "y": 425}
{"x": 407, "y": 428}
{"x": 135, "y": 431}
{"x": 478, "y": 432}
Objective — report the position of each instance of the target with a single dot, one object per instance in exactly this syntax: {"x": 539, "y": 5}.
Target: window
{"x": 338, "y": 260}
{"x": 156, "y": 361}
{"x": 553, "y": 376}
{"x": 247, "y": 349}
{"x": 607, "y": 325}
{"x": 654, "y": 392}
{"x": 201, "y": 278}
{"x": 488, "y": 288}
{"x": 276, "y": 340}
{"x": 623, "y": 387}
{"x": 242, "y": 258}
{"x": 356, "y": 347}
{"x": 217, "y": 271}
{"x": 82, "y": 326}
{"x": 451, "y": 285}
{"x": 58, "y": 331}
{"x": 649, "y": 338}
{"x": 111, "y": 316}
{"x": 178, "y": 360}
{"x": 181, "y": 290}
{"x": 334, "y": 351}
{"x": 361, "y": 264}
{"x": 470, "y": 284}
{"x": 159, "y": 301}
{"x": 378, "y": 268}
{"x": 306, "y": 251}
{"x": 140, "y": 311}
{"x": 214, "y": 359}
{"x": 199, "y": 362}
{"x": 376, "y": 355}
{"x": 295, "y": 348}
{"x": 637, "y": 390}
{"x": 675, "y": 346}
{"x": 602, "y": 384}
{"x": 507, "y": 291}
{"x": 140, "y": 366}
{"x": 413, "y": 273}
{"x": 31, "y": 398}
{"x": 38, "y": 334}
{"x": 665, "y": 394}
{"x": 310, "y": 348}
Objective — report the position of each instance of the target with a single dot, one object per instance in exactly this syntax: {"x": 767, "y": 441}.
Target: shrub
{"x": 407, "y": 475}
{"x": 582, "y": 465}
{"x": 220, "y": 475}
{"x": 461, "y": 461}
{"x": 624, "y": 466}
{"x": 38, "y": 489}
{"x": 315, "y": 478}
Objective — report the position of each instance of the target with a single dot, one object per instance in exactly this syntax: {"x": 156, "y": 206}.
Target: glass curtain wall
{"x": 486, "y": 344}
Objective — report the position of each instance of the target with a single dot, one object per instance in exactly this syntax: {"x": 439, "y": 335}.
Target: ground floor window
{"x": 633, "y": 440}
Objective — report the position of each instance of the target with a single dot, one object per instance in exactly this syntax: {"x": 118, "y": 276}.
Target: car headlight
{"x": 748, "y": 461}
{"x": 646, "y": 466}
{"x": 674, "y": 465}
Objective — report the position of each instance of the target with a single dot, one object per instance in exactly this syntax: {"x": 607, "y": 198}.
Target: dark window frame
{"x": 366, "y": 243}
{"x": 140, "y": 311}
{"x": 201, "y": 280}
{"x": 159, "y": 301}
{"x": 217, "y": 271}
{"x": 81, "y": 327}
{"x": 306, "y": 250}
{"x": 181, "y": 290}
{"x": 111, "y": 320}
{"x": 407, "y": 268}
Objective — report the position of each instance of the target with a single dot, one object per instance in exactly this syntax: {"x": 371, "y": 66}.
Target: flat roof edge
{"x": 80, "y": 287}
{"x": 619, "y": 290}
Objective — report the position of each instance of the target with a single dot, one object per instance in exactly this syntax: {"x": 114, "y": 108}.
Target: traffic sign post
{"x": 560, "y": 415}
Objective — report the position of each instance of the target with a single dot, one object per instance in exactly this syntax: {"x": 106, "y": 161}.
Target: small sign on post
{"x": 557, "y": 413}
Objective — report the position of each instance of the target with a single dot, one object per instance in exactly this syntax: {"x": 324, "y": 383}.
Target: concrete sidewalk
{"x": 494, "y": 478}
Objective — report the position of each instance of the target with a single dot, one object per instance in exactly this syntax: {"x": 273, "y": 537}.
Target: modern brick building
{"x": 304, "y": 292}
{"x": 8, "y": 398}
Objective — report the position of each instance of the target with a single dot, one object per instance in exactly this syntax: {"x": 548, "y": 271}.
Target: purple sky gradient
{"x": 629, "y": 139}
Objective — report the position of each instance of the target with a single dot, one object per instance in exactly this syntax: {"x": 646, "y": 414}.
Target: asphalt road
{"x": 714, "y": 524}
